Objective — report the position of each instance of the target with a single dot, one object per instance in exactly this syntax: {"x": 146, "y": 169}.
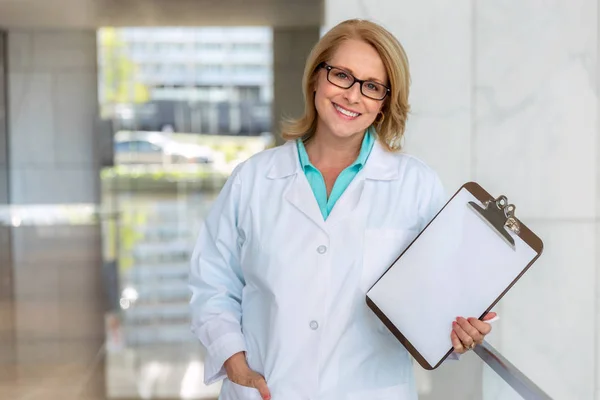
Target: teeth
{"x": 346, "y": 112}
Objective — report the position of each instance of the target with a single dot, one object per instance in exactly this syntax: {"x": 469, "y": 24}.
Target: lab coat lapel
{"x": 301, "y": 196}
{"x": 380, "y": 166}
{"x": 299, "y": 193}
{"x": 348, "y": 202}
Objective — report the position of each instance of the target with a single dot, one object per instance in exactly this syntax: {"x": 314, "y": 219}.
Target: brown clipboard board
{"x": 499, "y": 215}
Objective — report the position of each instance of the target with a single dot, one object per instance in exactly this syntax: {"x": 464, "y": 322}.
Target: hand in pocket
{"x": 239, "y": 372}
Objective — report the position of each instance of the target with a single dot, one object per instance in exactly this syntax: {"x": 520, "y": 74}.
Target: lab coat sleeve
{"x": 216, "y": 282}
{"x": 434, "y": 199}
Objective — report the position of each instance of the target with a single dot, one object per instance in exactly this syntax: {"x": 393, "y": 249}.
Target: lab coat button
{"x": 322, "y": 249}
{"x": 314, "y": 325}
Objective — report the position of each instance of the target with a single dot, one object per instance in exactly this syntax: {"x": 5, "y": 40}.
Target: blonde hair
{"x": 390, "y": 128}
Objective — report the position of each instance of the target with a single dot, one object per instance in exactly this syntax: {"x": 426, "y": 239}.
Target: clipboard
{"x": 464, "y": 261}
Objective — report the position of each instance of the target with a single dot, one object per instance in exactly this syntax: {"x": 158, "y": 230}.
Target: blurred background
{"x": 121, "y": 120}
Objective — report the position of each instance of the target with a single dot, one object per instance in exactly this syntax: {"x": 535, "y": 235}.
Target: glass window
{"x": 212, "y": 46}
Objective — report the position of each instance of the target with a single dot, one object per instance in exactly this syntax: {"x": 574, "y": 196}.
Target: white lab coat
{"x": 270, "y": 277}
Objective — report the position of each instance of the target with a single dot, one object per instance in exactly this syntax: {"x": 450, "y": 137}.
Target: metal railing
{"x": 509, "y": 373}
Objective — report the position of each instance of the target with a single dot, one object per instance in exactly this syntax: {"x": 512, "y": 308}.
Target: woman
{"x": 300, "y": 232}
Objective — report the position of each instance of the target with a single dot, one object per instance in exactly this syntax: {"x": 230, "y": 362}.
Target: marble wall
{"x": 535, "y": 114}
{"x": 505, "y": 93}
{"x": 53, "y": 105}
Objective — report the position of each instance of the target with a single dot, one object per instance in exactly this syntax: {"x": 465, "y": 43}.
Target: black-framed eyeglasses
{"x": 345, "y": 80}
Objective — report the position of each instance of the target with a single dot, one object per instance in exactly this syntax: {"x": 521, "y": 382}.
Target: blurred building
{"x": 201, "y": 80}
{"x": 209, "y": 63}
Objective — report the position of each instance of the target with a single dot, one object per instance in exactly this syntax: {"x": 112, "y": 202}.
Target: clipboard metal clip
{"x": 500, "y": 216}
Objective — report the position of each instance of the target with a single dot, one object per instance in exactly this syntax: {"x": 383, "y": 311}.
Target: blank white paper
{"x": 457, "y": 267}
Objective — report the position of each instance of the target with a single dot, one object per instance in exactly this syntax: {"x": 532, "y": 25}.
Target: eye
{"x": 372, "y": 86}
{"x": 341, "y": 75}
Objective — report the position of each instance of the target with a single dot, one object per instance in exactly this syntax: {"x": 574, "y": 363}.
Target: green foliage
{"x": 120, "y": 84}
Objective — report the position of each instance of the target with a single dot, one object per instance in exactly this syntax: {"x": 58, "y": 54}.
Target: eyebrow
{"x": 368, "y": 79}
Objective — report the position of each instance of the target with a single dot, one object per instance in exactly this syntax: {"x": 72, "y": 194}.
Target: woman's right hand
{"x": 239, "y": 372}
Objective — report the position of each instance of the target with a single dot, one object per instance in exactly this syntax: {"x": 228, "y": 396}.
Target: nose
{"x": 352, "y": 94}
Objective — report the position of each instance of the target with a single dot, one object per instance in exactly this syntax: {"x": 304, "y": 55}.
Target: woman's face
{"x": 345, "y": 113}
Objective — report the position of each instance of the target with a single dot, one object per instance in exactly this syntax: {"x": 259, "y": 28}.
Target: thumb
{"x": 261, "y": 386}
{"x": 489, "y": 315}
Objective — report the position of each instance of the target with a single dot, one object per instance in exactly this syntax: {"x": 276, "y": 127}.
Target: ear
{"x": 315, "y": 86}
{"x": 316, "y": 78}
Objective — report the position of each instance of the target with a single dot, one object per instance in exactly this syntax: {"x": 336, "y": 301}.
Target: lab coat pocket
{"x": 239, "y": 392}
{"x": 399, "y": 392}
{"x": 381, "y": 248}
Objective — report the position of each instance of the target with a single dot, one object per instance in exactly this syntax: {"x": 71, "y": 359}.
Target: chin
{"x": 347, "y": 133}
{"x": 346, "y": 130}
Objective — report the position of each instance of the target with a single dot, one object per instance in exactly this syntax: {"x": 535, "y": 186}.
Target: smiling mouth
{"x": 346, "y": 113}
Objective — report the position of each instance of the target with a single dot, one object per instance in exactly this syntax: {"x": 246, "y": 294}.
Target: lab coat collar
{"x": 285, "y": 161}
{"x": 381, "y": 164}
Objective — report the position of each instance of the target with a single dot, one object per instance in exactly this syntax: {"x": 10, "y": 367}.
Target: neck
{"x": 330, "y": 151}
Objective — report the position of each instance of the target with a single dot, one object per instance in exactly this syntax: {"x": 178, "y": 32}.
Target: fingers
{"x": 470, "y": 330}
{"x": 253, "y": 380}
{"x": 243, "y": 380}
{"x": 464, "y": 337}
{"x": 489, "y": 316}
{"x": 261, "y": 385}
{"x": 482, "y": 327}
{"x": 456, "y": 343}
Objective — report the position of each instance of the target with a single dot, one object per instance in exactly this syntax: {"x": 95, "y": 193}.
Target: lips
{"x": 345, "y": 112}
